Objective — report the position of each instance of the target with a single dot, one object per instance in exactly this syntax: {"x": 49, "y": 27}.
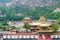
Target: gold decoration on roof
{"x": 42, "y": 19}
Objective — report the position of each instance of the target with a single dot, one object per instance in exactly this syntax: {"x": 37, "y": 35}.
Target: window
{"x": 35, "y": 26}
{"x": 44, "y": 28}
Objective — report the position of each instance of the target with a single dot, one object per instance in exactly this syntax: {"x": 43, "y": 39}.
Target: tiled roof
{"x": 21, "y": 33}
{"x": 41, "y": 24}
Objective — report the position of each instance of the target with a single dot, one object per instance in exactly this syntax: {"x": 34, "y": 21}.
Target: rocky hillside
{"x": 33, "y": 2}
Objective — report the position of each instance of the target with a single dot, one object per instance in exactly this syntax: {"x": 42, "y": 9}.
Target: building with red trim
{"x": 29, "y": 36}
{"x": 40, "y": 30}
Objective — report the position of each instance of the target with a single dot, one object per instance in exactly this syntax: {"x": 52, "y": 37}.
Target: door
{"x": 47, "y": 37}
{"x": 40, "y": 37}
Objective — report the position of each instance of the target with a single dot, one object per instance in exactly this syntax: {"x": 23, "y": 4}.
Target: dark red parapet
{"x": 47, "y": 37}
{"x": 40, "y": 37}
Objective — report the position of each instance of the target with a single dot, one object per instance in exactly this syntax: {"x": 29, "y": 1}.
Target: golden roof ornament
{"x": 42, "y": 19}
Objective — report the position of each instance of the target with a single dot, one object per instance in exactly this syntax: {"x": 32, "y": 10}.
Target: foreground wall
{"x": 20, "y": 37}
{"x": 30, "y": 37}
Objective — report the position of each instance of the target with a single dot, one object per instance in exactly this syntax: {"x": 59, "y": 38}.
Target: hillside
{"x": 18, "y": 9}
{"x": 5, "y": 1}
{"x": 33, "y": 2}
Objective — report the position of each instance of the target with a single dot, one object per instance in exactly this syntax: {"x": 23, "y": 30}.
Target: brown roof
{"x": 27, "y": 18}
{"x": 22, "y": 33}
{"x": 42, "y": 19}
{"x": 41, "y": 24}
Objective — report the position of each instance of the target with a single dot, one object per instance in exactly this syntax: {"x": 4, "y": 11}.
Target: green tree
{"x": 58, "y": 20}
{"x": 54, "y": 27}
{"x": 26, "y": 25}
{"x": 13, "y": 27}
{"x": 1, "y": 25}
{"x": 4, "y": 23}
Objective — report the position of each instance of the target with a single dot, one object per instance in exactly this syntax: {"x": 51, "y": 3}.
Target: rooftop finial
{"x": 42, "y": 19}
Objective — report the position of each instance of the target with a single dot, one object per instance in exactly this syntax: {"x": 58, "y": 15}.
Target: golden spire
{"x": 42, "y": 19}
